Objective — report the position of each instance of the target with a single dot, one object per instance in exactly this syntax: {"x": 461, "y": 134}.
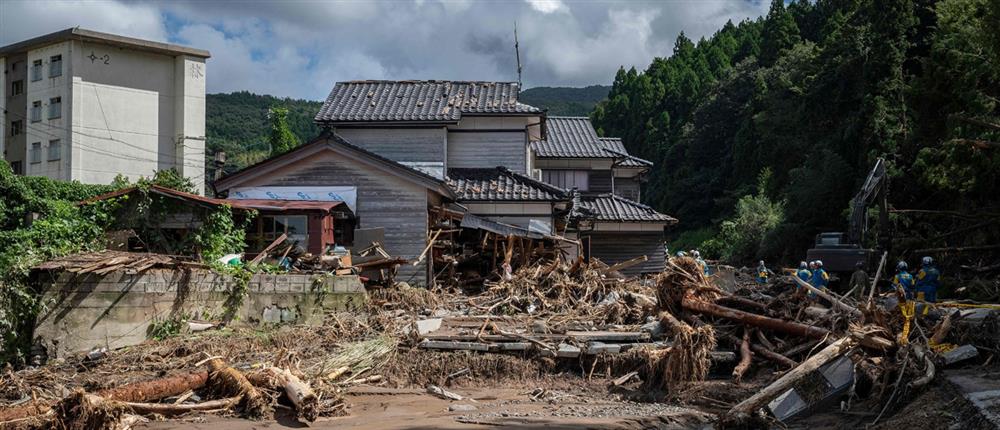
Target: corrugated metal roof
{"x": 434, "y": 101}
{"x": 500, "y": 184}
{"x": 613, "y": 208}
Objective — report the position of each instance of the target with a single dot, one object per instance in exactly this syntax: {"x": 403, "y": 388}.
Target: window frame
{"x": 54, "y": 143}
{"x": 17, "y": 87}
{"x": 567, "y": 178}
{"x": 35, "y": 153}
{"x": 16, "y": 127}
{"x": 55, "y": 72}
{"x": 55, "y": 104}
{"x": 36, "y": 111}
{"x": 36, "y": 70}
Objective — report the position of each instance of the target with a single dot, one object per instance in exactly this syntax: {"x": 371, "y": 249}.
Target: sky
{"x": 300, "y": 48}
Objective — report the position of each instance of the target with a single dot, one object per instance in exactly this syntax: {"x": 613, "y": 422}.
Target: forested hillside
{"x": 565, "y": 101}
{"x": 237, "y": 123}
{"x": 806, "y": 99}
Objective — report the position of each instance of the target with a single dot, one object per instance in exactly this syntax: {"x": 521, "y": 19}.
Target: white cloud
{"x": 300, "y": 48}
{"x": 547, "y": 6}
{"x": 20, "y": 19}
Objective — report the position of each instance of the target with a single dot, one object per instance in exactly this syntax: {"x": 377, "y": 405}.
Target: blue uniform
{"x": 819, "y": 278}
{"x": 904, "y": 280}
{"x": 928, "y": 280}
{"x": 762, "y": 274}
{"x": 804, "y": 274}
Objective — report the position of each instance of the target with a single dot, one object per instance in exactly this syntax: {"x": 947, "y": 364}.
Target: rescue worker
{"x": 859, "y": 281}
{"x": 927, "y": 281}
{"x": 819, "y": 277}
{"x": 701, "y": 261}
{"x": 903, "y": 280}
{"x": 803, "y": 273}
{"x": 763, "y": 272}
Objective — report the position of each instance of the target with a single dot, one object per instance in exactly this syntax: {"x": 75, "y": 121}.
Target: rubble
{"x": 744, "y": 355}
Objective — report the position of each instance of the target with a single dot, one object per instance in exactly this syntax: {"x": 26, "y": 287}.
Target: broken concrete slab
{"x": 428, "y": 325}
{"x": 960, "y": 353}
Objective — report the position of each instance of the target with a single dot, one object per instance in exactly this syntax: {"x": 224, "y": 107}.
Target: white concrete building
{"x": 88, "y": 106}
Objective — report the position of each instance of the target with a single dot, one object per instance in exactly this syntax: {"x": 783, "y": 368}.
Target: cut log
{"x": 941, "y": 330}
{"x": 299, "y": 393}
{"x": 742, "y": 411}
{"x": 442, "y": 393}
{"x": 145, "y": 391}
{"x": 626, "y": 264}
{"x": 746, "y": 357}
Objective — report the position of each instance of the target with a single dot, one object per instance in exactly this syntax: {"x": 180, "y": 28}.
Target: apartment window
{"x": 567, "y": 179}
{"x": 16, "y": 127}
{"x": 17, "y": 87}
{"x": 36, "y": 152}
{"x": 55, "y": 107}
{"x": 55, "y": 150}
{"x": 16, "y": 167}
{"x": 36, "y": 70}
{"x": 36, "y": 111}
{"x": 55, "y": 66}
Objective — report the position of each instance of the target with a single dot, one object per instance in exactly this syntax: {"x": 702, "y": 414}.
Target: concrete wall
{"x": 14, "y": 146}
{"x": 116, "y": 310}
{"x": 135, "y": 113}
{"x": 124, "y": 111}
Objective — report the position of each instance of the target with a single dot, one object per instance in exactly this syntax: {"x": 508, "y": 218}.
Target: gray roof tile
{"x": 432, "y": 101}
{"x": 500, "y": 184}
{"x": 609, "y": 207}
{"x": 614, "y": 146}
{"x": 575, "y": 137}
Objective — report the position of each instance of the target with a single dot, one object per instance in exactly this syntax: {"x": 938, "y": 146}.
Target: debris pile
{"x": 747, "y": 353}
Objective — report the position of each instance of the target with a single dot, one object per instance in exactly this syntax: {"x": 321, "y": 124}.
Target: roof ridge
{"x": 422, "y": 81}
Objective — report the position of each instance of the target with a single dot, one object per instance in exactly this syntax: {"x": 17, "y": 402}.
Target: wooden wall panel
{"x": 487, "y": 149}
{"x": 616, "y": 247}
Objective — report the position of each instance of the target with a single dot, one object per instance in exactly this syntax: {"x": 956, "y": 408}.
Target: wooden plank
{"x": 466, "y": 346}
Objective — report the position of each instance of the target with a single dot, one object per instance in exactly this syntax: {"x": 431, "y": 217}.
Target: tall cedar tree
{"x": 282, "y": 139}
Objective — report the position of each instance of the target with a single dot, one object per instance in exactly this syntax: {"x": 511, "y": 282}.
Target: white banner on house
{"x": 348, "y": 195}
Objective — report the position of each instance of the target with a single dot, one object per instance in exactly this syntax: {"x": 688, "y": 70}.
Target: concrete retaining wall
{"x": 92, "y": 311}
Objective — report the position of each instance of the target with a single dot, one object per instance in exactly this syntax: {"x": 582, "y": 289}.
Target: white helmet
{"x": 927, "y": 261}
{"x": 819, "y": 263}
{"x": 696, "y": 254}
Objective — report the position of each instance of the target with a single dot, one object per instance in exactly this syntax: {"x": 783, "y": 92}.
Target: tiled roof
{"x": 614, "y": 146}
{"x": 438, "y": 101}
{"x": 575, "y": 137}
{"x": 613, "y": 208}
{"x": 500, "y": 184}
{"x": 569, "y": 137}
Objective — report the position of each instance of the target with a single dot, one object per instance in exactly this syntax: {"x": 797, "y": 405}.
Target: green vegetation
{"x": 815, "y": 92}
{"x": 238, "y": 124}
{"x": 37, "y": 223}
{"x": 565, "y": 101}
{"x": 281, "y": 140}
{"x": 40, "y": 220}
{"x": 743, "y": 236}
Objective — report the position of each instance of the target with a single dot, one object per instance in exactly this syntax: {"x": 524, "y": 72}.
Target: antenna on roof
{"x": 517, "y": 53}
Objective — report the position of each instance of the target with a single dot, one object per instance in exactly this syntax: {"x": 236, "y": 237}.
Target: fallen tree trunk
{"x": 741, "y": 411}
{"x": 172, "y": 409}
{"x": 788, "y": 327}
{"x": 145, "y": 391}
{"x": 299, "y": 393}
{"x": 229, "y": 382}
{"x": 766, "y": 353}
{"x": 829, "y": 297}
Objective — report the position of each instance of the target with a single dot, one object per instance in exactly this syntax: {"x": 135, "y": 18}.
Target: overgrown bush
{"x": 741, "y": 237}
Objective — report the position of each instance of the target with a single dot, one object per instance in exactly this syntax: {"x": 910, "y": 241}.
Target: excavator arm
{"x": 874, "y": 190}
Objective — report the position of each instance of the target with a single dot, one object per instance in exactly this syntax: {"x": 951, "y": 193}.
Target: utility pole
{"x": 517, "y": 54}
